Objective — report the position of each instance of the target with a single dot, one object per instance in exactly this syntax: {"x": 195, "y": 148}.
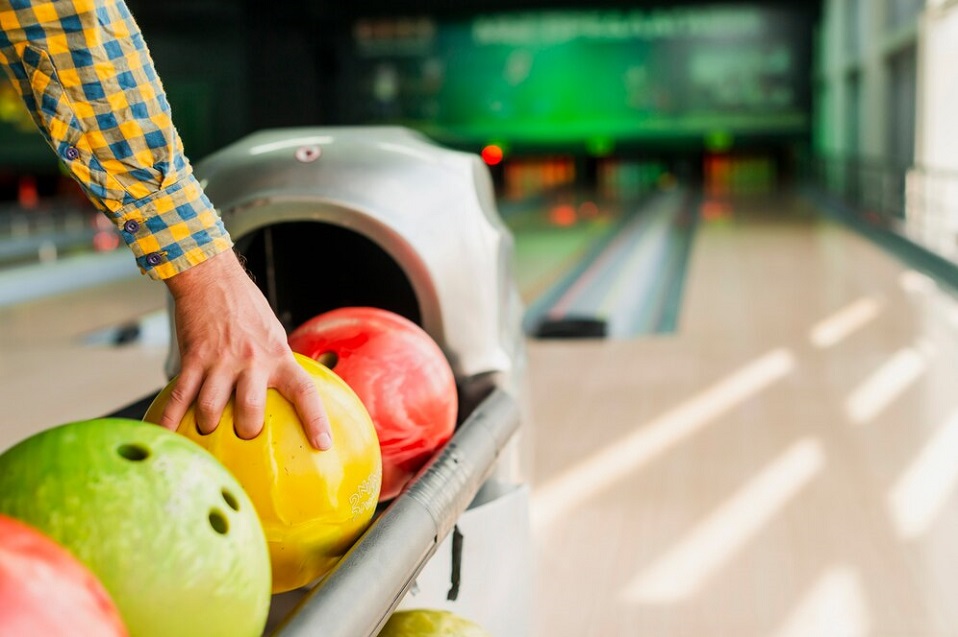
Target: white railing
{"x": 916, "y": 202}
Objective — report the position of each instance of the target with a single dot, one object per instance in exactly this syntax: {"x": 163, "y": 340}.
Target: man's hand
{"x": 232, "y": 345}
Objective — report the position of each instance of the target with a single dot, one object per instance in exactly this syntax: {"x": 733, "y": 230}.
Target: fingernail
{"x": 324, "y": 441}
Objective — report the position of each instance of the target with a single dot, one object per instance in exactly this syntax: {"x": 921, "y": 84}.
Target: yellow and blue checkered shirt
{"x": 87, "y": 78}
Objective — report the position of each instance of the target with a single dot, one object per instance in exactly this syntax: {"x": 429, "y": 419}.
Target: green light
{"x": 719, "y": 140}
{"x": 599, "y": 146}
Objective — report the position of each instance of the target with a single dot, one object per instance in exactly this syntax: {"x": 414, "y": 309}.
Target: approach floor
{"x": 783, "y": 464}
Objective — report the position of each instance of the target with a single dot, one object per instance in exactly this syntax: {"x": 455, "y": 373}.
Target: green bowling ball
{"x": 162, "y": 524}
{"x": 430, "y": 623}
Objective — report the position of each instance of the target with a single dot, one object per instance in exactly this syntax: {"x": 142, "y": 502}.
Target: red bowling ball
{"x": 399, "y": 373}
{"x": 44, "y": 590}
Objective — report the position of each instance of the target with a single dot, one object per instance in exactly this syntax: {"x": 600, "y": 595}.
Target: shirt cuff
{"x": 173, "y": 229}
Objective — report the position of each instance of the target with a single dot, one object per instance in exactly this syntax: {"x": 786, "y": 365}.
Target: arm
{"x": 87, "y": 78}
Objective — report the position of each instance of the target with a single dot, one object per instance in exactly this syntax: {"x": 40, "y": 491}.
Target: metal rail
{"x": 383, "y": 564}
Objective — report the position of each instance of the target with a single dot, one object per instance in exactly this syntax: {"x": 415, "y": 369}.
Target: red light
{"x": 492, "y": 154}
{"x": 27, "y": 195}
{"x": 562, "y": 215}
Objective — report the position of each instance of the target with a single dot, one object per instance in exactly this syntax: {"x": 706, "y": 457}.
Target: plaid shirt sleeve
{"x": 87, "y": 78}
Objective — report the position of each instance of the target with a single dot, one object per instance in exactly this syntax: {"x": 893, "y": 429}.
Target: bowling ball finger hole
{"x": 329, "y": 359}
{"x": 134, "y": 453}
{"x": 230, "y": 500}
{"x": 218, "y": 522}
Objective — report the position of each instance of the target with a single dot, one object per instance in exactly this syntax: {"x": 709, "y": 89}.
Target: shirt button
{"x": 132, "y": 226}
{"x": 72, "y": 153}
{"x": 154, "y": 258}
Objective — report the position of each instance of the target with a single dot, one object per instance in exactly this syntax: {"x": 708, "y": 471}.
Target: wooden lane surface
{"x": 783, "y": 465}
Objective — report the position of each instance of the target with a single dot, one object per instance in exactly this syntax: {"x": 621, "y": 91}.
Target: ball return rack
{"x": 382, "y": 566}
{"x": 382, "y": 216}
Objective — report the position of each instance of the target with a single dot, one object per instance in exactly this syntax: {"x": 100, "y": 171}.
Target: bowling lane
{"x": 617, "y": 262}
{"x": 555, "y": 235}
{"x": 783, "y": 464}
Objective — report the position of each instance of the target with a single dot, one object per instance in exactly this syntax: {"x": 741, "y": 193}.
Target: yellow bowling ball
{"x": 313, "y": 504}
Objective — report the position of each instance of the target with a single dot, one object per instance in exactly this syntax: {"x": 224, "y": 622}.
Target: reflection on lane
{"x": 853, "y": 317}
{"x": 713, "y": 543}
{"x": 834, "y": 605}
{"x": 922, "y": 491}
{"x": 652, "y": 439}
{"x": 889, "y": 381}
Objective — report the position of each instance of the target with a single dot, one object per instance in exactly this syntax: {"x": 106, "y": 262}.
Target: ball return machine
{"x": 383, "y": 217}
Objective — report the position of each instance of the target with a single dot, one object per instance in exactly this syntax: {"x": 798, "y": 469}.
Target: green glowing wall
{"x": 585, "y": 77}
